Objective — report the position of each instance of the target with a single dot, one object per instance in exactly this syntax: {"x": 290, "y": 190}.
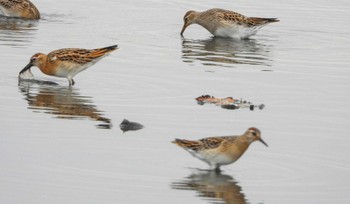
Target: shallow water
{"x": 61, "y": 144}
{"x": 221, "y": 52}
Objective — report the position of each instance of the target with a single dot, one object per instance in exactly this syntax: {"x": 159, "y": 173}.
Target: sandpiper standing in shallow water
{"x": 19, "y": 8}
{"x": 67, "y": 62}
{"x": 217, "y": 151}
{"x": 225, "y": 23}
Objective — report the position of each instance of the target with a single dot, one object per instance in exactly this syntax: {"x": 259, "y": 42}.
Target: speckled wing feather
{"x": 10, "y": 3}
{"x": 197, "y": 145}
{"x": 226, "y": 17}
{"x": 230, "y": 17}
{"x": 212, "y": 142}
{"x": 79, "y": 56}
{"x": 25, "y": 6}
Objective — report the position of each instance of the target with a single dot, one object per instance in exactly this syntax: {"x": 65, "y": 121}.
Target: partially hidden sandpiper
{"x": 218, "y": 151}
{"x": 67, "y": 62}
{"x": 19, "y": 8}
{"x": 225, "y": 23}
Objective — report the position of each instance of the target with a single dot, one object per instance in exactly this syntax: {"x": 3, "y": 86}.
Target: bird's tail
{"x": 271, "y": 20}
{"x": 103, "y": 51}
{"x": 187, "y": 144}
{"x": 262, "y": 21}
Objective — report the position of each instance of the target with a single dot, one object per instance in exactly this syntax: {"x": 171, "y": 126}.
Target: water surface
{"x": 64, "y": 145}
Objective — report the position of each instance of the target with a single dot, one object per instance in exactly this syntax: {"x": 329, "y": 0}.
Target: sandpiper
{"x": 67, "y": 62}
{"x": 217, "y": 151}
{"x": 19, "y": 8}
{"x": 225, "y": 23}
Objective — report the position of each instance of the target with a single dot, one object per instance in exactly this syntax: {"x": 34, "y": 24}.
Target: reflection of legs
{"x": 211, "y": 170}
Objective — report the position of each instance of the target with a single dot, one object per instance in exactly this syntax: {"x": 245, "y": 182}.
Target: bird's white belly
{"x": 235, "y": 31}
{"x": 70, "y": 70}
{"x": 221, "y": 160}
{"x": 214, "y": 159}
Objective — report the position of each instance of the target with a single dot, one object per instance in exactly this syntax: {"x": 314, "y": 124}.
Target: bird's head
{"x": 189, "y": 19}
{"x": 36, "y": 60}
{"x": 254, "y": 134}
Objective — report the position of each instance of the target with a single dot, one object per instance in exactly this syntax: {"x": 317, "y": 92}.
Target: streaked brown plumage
{"x": 67, "y": 62}
{"x": 217, "y": 151}
{"x": 19, "y": 8}
{"x": 225, "y": 23}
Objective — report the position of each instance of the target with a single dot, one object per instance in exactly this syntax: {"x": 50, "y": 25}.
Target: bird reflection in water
{"x": 214, "y": 186}
{"x": 64, "y": 102}
{"x": 225, "y": 52}
{"x": 17, "y": 32}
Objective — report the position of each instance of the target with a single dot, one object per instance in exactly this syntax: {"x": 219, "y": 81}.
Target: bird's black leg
{"x": 71, "y": 82}
{"x": 217, "y": 169}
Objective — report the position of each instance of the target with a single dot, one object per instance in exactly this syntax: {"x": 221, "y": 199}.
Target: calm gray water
{"x": 64, "y": 145}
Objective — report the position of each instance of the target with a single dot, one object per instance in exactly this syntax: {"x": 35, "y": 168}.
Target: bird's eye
{"x": 254, "y": 133}
{"x": 33, "y": 59}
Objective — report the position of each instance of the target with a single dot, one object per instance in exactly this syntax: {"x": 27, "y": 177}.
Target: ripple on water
{"x": 58, "y": 18}
{"x": 212, "y": 186}
{"x": 63, "y": 102}
{"x": 17, "y": 32}
{"x": 305, "y": 175}
{"x": 300, "y": 171}
{"x": 225, "y": 52}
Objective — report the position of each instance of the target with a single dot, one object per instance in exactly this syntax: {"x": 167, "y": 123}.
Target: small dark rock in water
{"x": 261, "y": 106}
{"x": 127, "y": 125}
